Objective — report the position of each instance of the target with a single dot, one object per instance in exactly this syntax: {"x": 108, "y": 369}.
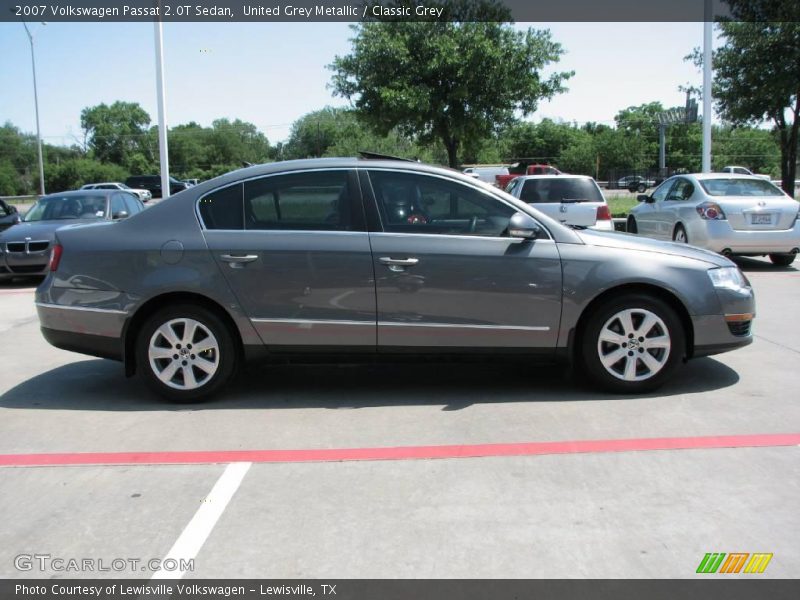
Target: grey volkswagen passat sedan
{"x": 25, "y": 248}
{"x": 366, "y": 258}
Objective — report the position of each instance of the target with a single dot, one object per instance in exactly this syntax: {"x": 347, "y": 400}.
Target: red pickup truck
{"x": 523, "y": 168}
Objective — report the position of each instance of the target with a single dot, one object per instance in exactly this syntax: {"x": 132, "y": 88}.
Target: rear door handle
{"x": 235, "y": 259}
{"x": 399, "y": 262}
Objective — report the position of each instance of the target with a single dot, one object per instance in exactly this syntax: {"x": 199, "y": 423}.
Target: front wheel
{"x": 185, "y": 353}
{"x": 632, "y": 343}
{"x": 782, "y": 260}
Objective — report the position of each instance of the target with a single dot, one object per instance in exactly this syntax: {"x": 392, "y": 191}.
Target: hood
{"x": 39, "y": 230}
{"x": 626, "y": 241}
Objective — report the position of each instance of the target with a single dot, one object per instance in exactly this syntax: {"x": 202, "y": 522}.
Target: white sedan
{"x": 728, "y": 213}
{"x": 144, "y": 195}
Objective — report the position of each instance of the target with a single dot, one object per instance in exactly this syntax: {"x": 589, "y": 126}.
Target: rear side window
{"x": 222, "y": 209}
{"x": 537, "y": 191}
{"x": 316, "y": 200}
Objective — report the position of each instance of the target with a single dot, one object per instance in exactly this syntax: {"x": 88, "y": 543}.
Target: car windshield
{"x": 560, "y": 189}
{"x": 739, "y": 187}
{"x": 53, "y": 208}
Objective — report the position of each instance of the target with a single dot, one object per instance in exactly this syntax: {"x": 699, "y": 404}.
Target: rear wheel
{"x": 782, "y": 260}
{"x": 642, "y": 188}
{"x": 185, "y": 353}
{"x": 679, "y": 235}
{"x": 631, "y": 225}
{"x": 631, "y": 343}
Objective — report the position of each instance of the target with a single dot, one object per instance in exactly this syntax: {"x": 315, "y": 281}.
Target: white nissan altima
{"x": 727, "y": 213}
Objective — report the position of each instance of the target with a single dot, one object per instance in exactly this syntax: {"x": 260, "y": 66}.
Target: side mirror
{"x": 523, "y": 226}
{"x": 644, "y": 198}
{"x": 120, "y": 215}
{"x": 12, "y": 208}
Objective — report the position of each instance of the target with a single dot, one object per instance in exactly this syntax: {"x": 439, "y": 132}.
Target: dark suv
{"x": 153, "y": 183}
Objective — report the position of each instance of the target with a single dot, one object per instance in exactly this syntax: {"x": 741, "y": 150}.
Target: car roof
{"x": 553, "y": 176}
{"x": 80, "y": 193}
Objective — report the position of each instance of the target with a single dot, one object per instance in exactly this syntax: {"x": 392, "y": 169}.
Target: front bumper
{"x": 22, "y": 264}
{"x": 718, "y": 236}
{"x": 718, "y": 333}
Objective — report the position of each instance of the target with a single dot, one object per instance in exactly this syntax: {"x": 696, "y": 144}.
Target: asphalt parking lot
{"x": 636, "y": 513}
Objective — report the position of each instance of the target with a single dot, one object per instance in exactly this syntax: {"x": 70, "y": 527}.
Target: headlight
{"x": 729, "y": 278}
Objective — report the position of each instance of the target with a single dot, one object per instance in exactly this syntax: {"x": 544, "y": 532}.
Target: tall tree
{"x": 457, "y": 81}
{"x": 757, "y": 75}
{"x": 117, "y": 132}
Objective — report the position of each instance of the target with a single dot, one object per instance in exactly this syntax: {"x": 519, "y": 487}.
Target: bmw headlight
{"x": 729, "y": 278}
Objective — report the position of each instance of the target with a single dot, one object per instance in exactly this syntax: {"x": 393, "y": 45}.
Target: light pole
{"x": 36, "y": 104}
{"x": 162, "y": 110}
{"x": 707, "y": 81}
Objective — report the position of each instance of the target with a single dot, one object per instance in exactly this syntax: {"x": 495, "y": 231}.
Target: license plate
{"x": 762, "y": 219}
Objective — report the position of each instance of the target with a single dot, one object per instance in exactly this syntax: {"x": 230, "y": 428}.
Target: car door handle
{"x": 238, "y": 258}
{"x": 398, "y": 262}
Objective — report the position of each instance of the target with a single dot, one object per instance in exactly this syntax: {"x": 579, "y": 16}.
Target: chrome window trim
{"x": 460, "y": 236}
{"x": 397, "y": 324}
{"x": 263, "y": 176}
{"x": 110, "y": 311}
{"x": 467, "y": 184}
{"x": 313, "y": 321}
{"x": 464, "y": 326}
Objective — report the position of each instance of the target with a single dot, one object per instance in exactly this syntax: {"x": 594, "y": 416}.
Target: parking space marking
{"x": 400, "y": 452}
{"x": 197, "y": 531}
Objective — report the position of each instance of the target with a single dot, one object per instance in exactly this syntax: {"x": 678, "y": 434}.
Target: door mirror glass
{"x": 523, "y": 226}
{"x": 120, "y": 214}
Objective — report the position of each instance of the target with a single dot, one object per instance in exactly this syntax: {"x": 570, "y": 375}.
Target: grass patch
{"x": 620, "y": 206}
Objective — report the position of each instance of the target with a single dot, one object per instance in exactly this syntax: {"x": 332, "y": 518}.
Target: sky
{"x": 272, "y": 73}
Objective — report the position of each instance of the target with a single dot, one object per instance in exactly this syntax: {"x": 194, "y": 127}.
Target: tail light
{"x": 603, "y": 213}
{"x": 710, "y": 211}
{"x": 55, "y": 257}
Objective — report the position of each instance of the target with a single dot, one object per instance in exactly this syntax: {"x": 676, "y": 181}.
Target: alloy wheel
{"x": 634, "y": 344}
{"x": 184, "y": 354}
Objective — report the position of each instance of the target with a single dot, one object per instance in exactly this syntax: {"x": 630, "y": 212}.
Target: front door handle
{"x": 398, "y": 262}
{"x": 240, "y": 259}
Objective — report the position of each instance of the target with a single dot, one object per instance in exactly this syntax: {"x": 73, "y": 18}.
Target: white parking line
{"x": 197, "y": 531}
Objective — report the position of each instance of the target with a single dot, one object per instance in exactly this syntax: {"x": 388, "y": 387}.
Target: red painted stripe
{"x": 399, "y": 453}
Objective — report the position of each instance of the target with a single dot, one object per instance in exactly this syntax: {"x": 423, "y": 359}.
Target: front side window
{"x": 661, "y": 191}
{"x": 415, "y": 203}
{"x": 314, "y": 200}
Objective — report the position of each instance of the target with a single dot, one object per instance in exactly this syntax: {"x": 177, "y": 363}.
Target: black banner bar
{"x": 227, "y": 11}
{"x": 735, "y": 588}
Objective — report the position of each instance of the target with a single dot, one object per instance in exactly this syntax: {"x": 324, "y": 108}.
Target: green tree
{"x": 453, "y": 81}
{"x": 757, "y": 75}
{"x": 73, "y": 173}
{"x": 117, "y": 132}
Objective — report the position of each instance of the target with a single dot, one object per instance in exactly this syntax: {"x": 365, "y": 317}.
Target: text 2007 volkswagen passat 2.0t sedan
{"x": 366, "y": 258}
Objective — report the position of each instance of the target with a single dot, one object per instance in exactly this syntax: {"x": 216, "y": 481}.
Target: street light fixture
{"x": 36, "y": 104}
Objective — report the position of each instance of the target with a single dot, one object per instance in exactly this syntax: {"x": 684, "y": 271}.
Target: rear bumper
{"x": 84, "y": 343}
{"x": 719, "y": 236}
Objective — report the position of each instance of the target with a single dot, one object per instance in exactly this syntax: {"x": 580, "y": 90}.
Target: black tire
{"x": 680, "y": 231}
{"x": 632, "y": 188}
{"x": 782, "y": 260}
{"x": 224, "y": 356}
{"x": 642, "y": 188}
{"x": 631, "y": 226}
{"x": 591, "y": 346}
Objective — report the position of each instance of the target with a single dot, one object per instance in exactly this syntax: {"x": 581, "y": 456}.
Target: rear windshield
{"x": 739, "y": 187}
{"x": 55, "y": 208}
{"x": 538, "y": 191}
